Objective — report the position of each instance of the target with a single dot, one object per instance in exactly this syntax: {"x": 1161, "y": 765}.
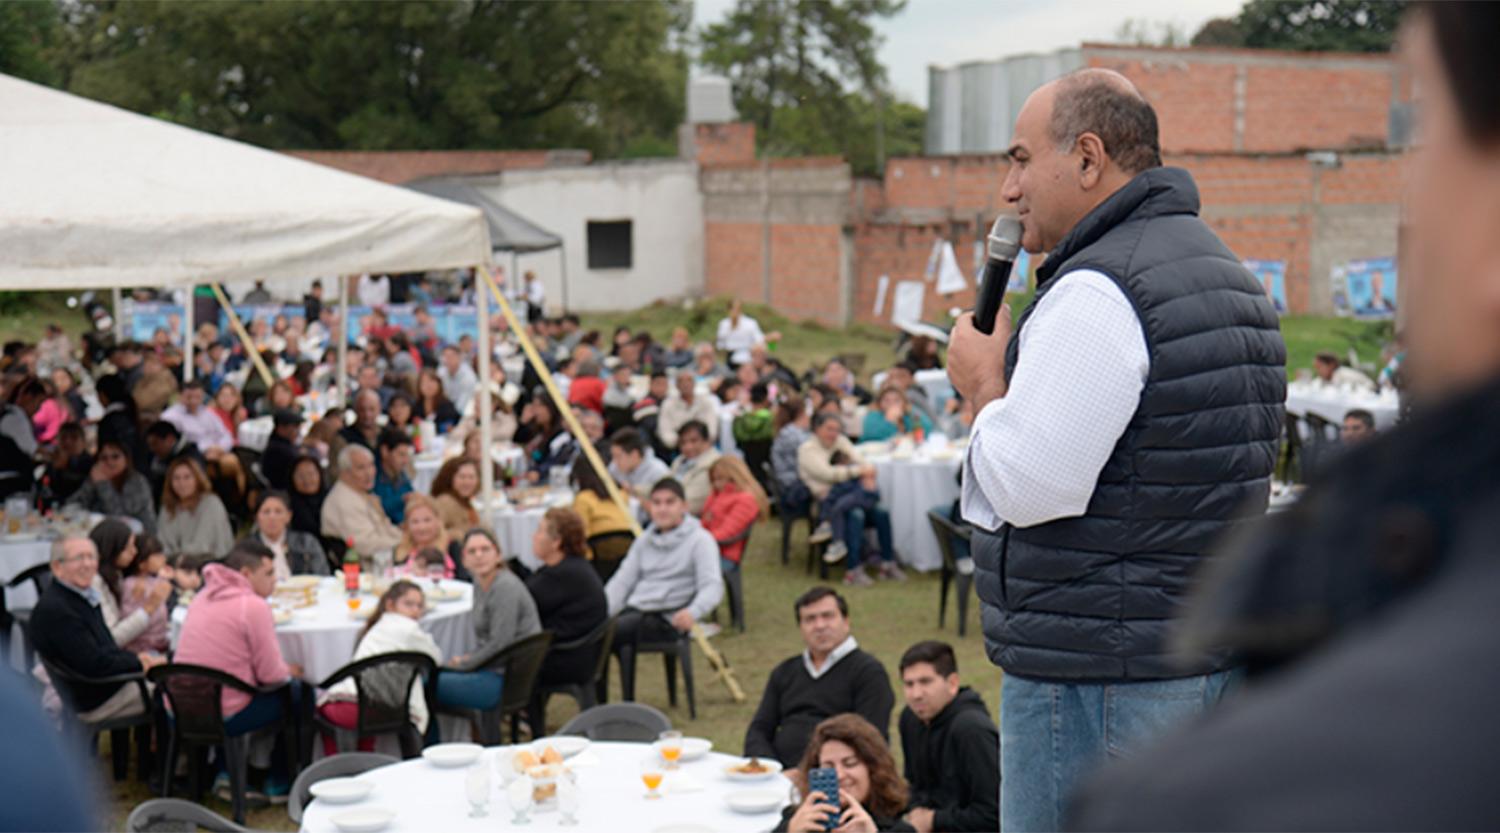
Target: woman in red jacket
{"x": 735, "y": 504}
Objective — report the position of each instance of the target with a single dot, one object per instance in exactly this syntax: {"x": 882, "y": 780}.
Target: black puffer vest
{"x": 1092, "y": 598}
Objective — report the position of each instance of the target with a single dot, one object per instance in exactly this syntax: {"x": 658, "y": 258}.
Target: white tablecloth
{"x": 15, "y": 558}
{"x": 321, "y": 638}
{"x": 908, "y": 488}
{"x": 1303, "y": 398}
{"x": 425, "y": 797}
{"x": 514, "y": 527}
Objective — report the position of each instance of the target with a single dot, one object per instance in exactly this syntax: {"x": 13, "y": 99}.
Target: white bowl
{"x": 772, "y": 768}
{"x": 695, "y": 748}
{"x": 566, "y": 745}
{"x": 448, "y": 755}
{"x": 755, "y": 802}
{"x": 363, "y": 820}
{"x": 341, "y": 790}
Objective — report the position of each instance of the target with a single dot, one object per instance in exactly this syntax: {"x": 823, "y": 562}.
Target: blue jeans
{"x": 470, "y": 689}
{"x": 264, "y": 709}
{"x": 1054, "y": 735}
{"x": 854, "y": 533}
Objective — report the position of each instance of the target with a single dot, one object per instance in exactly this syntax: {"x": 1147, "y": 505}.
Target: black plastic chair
{"x": 334, "y": 549}
{"x": 587, "y": 694}
{"x": 734, "y": 580}
{"x": 40, "y": 576}
{"x": 341, "y": 765}
{"x": 377, "y": 680}
{"x": 609, "y": 549}
{"x": 625, "y": 722}
{"x": 194, "y": 693}
{"x": 947, "y": 531}
{"x": 757, "y": 454}
{"x": 521, "y": 663}
{"x": 119, "y": 728}
{"x": 163, "y": 814}
{"x": 676, "y": 650}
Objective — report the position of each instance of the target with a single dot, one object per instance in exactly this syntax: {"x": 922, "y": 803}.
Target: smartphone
{"x": 826, "y": 781}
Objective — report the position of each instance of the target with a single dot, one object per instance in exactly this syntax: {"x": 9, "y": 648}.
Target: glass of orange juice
{"x": 670, "y": 745}
{"x": 651, "y": 774}
{"x": 354, "y": 603}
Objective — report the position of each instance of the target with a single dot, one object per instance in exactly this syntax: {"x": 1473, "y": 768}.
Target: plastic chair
{"x": 609, "y": 549}
{"x": 587, "y": 694}
{"x": 628, "y": 722}
{"x": 334, "y": 766}
{"x": 119, "y": 728}
{"x": 177, "y": 814}
{"x": 676, "y": 650}
{"x": 377, "y": 682}
{"x": 734, "y": 580}
{"x": 521, "y": 663}
{"x": 194, "y": 694}
{"x": 946, "y": 531}
{"x": 334, "y": 549}
{"x": 40, "y": 576}
{"x": 787, "y": 516}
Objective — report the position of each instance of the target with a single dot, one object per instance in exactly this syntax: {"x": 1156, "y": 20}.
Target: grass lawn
{"x": 886, "y": 619}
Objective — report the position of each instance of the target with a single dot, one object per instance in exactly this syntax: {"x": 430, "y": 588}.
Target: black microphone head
{"x": 1005, "y": 238}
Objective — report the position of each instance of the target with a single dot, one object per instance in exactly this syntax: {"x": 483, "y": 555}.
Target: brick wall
{"x": 723, "y": 144}
{"x": 1222, "y": 100}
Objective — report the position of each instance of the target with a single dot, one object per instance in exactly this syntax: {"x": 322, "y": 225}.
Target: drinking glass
{"x": 670, "y": 744}
{"x": 651, "y": 774}
{"x": 435, "y": 571}
{"x": 505, "y": 766}
{"x": 519, "y": 796}
{"x": 477, "y": 790}
{"x": 568, "y": 798}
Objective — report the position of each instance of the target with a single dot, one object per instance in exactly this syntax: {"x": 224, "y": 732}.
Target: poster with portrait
{"x": 1020, "y": 274}
{"x": 1371, "y": 286}
{"x": 1271, "y": 275}
{"x": 146, "y": 317}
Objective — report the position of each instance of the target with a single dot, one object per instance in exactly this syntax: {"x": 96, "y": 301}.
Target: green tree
{"x": 417, "y": 74}
{"x": 805, "y": 72}
{"x": 28, "y": 29}
{"x": 1308, "y": 25}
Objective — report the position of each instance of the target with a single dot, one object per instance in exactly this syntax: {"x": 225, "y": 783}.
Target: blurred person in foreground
{"x": 1130, "y": 421}
{"x": 1366, "y": 611}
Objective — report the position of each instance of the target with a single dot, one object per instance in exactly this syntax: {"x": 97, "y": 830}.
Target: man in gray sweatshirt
{"x": 670, "y": 578}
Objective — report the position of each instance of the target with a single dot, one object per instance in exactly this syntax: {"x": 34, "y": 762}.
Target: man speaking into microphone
{"x": 1129, "y": 419}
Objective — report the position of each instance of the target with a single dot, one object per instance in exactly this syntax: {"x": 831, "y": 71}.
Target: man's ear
{"x": 1092, "y": 159}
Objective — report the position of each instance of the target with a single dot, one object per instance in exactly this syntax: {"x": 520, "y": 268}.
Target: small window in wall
{"x": 609, "y": 244}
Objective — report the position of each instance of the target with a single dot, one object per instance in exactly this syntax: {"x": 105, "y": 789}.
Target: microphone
{"x": 1004, "y": 243}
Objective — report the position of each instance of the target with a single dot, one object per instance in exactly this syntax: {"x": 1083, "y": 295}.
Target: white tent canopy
{"x": 95, "y": 196}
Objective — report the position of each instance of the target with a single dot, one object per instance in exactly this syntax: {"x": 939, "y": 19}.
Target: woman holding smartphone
{"x": 871, "y": 791}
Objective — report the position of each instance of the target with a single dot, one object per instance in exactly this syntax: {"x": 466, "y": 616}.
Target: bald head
{"x": 1105, "y": 103}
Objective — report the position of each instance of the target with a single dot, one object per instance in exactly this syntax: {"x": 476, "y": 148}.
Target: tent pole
{"x": 121, "y": 335}
{"x": 562, "y": 256}
{"x": 518, "y": 286}
{"x": 239, "y": 330}
{"x": 343, "y": 337}
{"x": 187, "y": 336}
{"x": 563, "y": 407}
{"x": 486, "y": 408}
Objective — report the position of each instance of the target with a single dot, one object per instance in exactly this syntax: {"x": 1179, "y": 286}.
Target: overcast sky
{"x": 950, "y": 32}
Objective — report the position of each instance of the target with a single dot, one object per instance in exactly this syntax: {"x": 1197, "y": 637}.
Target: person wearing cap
{"x": 281, "y": 449}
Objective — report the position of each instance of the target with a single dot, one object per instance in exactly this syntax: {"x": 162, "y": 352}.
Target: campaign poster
{"x": 146, "y": 317}
{"x": 1020, "y": 274}
{"x": 454, "y": 321}
{"x": 1372, "y": 287}
{"x": 1271, "y": 274}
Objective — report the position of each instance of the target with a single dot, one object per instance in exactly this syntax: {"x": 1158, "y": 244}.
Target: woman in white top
{"x": 738, "y": 333}
{"x": 192, "y": 518}
{"x": 394, "y": 627}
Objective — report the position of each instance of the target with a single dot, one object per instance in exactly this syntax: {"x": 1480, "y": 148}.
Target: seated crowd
{"x": 694, "y": 435}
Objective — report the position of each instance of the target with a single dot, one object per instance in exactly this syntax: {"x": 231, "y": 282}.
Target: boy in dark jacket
{"x": 951, "y": 746}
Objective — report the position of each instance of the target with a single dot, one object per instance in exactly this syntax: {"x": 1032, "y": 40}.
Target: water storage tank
{"x": 710, "y": 100}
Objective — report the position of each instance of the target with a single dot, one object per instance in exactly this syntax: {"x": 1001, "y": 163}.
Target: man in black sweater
{"x": 68, "y": 630}
{"x": 832, "y": 676}
{"x": 951, "y": 746}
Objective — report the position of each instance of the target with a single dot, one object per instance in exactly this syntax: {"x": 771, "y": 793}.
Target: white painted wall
{"x": 659, "y": 197}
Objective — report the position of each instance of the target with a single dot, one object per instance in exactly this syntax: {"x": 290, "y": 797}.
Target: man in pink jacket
{"x": 229, "y": 627}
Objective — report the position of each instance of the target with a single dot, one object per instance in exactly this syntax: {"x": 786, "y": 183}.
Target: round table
{"x": 909, "y": 487}
{"x": 425, "y": 797}
{"x": 321, "y": 638}
{"x": 1330, "y": 403}
{"x": 18, "y": 554}
{"x": 514, "y": 525}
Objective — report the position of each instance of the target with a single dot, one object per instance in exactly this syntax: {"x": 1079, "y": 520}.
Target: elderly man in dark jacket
{"x": 951, "y": 746}
{"x": 1368, "y": 612}
{"x": 68, "y": 630}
